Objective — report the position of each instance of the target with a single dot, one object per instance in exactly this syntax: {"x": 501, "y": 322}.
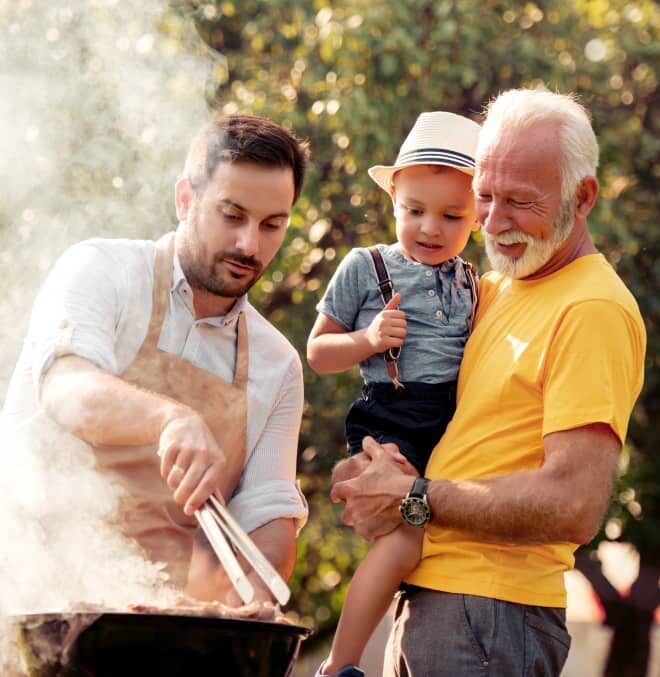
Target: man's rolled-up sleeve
{"x": 75, "y": 312}
{"x": 277, "y": 499}
{"x": 268, "y": 488}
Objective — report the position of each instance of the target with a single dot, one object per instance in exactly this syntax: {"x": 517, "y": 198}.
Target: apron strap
{"x": 160, "y": 301}
{"x": 242, "y": 361}
{"x": 161, "y": 290}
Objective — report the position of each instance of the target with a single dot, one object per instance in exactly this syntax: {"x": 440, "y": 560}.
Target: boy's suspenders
{"x": 471, "y": 274}
{"x": 386, "y": 289}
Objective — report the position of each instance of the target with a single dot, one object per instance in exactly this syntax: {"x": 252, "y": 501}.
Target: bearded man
{"x": 151, "y": 353}
{"x": 549, "y": 377}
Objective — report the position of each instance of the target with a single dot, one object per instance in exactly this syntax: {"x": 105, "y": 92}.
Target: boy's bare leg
{"x": 370, "y": 593}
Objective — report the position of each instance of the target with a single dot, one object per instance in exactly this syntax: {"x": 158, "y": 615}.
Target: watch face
{"x": 415, "y": 511}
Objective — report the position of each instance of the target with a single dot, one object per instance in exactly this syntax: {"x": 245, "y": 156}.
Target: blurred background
{"x": 101, "y": 97}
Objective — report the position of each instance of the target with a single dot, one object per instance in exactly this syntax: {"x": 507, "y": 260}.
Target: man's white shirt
{"x": 96, "y": 304}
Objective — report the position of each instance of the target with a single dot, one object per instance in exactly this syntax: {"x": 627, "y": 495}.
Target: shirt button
{"x": 429, "y": 273}
{"x": 438, "y": 313}
{"x": 431, "y": 292}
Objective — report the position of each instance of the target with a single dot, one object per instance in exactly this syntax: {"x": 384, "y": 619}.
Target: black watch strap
{"x": 419, "y": 488}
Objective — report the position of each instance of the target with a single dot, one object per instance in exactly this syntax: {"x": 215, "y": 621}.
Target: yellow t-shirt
{"x": 546, "y": 355}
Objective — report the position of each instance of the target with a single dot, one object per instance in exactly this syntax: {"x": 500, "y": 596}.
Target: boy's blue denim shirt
{"x": 437, "y": 301}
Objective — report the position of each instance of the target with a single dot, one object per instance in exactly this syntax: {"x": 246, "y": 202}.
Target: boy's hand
{"x": 388, "y": 328}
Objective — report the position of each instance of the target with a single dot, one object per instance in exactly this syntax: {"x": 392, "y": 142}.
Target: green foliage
{"x": 352, "y": 76}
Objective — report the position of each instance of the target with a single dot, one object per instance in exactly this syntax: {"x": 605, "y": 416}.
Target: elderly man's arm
{"x": 563, "y": 500}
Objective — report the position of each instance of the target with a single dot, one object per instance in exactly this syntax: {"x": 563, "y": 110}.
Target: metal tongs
{"x": 219, "y": 526}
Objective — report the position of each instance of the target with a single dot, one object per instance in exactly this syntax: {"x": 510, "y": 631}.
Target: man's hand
{"x": 389, "y": 328}
{"x": 191, "y": 460}
{"x": 355, "y": 465}
{"x": 372, "y": 497}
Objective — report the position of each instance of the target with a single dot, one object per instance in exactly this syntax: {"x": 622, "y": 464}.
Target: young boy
{"x": 403, "y": 312}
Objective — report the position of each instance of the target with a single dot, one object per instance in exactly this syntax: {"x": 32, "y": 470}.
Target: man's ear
{"x": 183, "y": 196}
{"x": 585, "y": 196}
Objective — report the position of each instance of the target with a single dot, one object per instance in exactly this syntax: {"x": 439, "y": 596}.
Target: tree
{"x": 121, "y": 94}
{"x": 352, "y": 76}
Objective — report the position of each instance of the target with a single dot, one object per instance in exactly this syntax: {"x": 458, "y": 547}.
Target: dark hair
{"x": 246, "y": 138}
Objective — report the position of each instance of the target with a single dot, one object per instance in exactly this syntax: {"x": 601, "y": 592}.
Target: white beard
{"x": 537, "y": 252}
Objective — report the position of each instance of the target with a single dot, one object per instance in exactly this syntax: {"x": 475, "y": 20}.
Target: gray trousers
{"x": 440, "y": 634}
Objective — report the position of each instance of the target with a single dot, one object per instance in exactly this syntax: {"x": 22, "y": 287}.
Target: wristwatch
{"x": 414, "y": 507}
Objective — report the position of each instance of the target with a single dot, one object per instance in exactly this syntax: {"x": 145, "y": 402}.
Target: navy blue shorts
{"x": 414, "y": 418}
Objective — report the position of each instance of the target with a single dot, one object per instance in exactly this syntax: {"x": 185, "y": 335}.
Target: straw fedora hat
{"x": 437, "y": 138}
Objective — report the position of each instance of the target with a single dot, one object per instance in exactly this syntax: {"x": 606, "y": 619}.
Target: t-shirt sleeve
{"x": 594, "y": 368}
{"x": 346, "y": 290}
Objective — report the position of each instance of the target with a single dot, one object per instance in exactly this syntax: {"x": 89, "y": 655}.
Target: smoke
{"x": 61, "y": 550}
{"x": 99, "y": 99}
{"x": 98, "y": 102}
{"x": 60, "y": 524}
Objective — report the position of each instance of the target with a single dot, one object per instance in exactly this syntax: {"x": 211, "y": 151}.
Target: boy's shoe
{"x": 346, "y": 671}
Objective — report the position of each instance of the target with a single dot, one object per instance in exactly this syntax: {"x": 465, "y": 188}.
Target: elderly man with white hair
{"x": 550, "y": 374}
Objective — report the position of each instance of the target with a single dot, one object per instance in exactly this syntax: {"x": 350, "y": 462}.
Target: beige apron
{"x": 149, "y": 514}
